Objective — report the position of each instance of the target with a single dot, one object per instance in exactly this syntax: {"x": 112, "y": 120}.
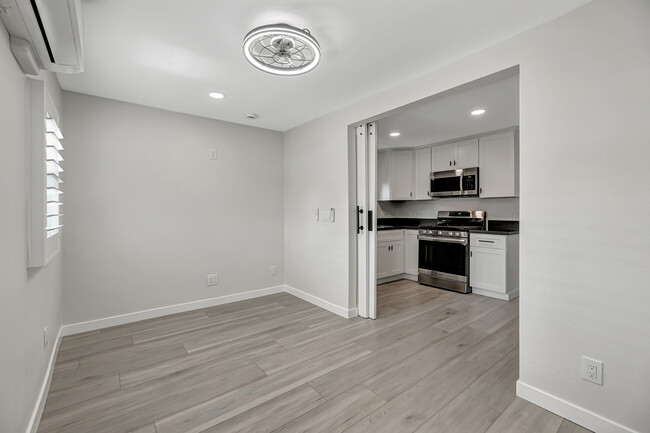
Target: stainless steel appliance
{"x": 462, "y": 182}
{"x": 443, "y": 250}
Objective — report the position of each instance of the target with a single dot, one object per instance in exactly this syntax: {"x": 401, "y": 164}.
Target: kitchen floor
{"x": 433, "y": 361}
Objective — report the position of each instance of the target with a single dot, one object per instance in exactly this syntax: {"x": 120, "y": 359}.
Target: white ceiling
{"x": 171, "y": 54}
{"x": 447, "y": 117}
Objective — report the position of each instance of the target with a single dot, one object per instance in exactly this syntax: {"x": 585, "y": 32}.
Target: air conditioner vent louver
{"x": 53, "y": 28}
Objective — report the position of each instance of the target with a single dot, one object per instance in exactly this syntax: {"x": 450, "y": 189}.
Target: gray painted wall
{"x": 149, "y": 214}
{"x": 584, "y": 156}
{"x": 30, "y": 299}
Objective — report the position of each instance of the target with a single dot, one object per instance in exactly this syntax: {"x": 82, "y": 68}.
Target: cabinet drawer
{"x": 487, "y": 241}
{"x": 390, "y": 235}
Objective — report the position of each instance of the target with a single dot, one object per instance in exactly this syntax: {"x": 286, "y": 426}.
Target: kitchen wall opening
{"x": 447, "y": 175}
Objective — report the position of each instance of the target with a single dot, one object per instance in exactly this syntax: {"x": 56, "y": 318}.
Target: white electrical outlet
{"x": 592, "y": 370}
{"x": 274, "y": 270}
{"x": 213, "y": 153}
{"x": 46, "y": 340}
{"x": 212, "y": 279}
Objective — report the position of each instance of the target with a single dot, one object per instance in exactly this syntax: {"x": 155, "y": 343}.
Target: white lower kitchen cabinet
{"x": 494, "y": 265}
{"x": 390, "y": 253}
{"x": 411, "y": 252}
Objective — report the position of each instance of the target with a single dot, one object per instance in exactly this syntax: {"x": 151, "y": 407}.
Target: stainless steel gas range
{"x": 443, "y": 250}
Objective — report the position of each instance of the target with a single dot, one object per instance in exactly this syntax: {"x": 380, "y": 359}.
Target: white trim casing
{"x": 92, "y": 325}
{"x": 570, "y": 411}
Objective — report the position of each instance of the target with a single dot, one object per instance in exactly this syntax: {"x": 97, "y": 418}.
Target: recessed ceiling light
{"x": 282, "y": 49}
{"x": 394, "y": 134}
{"x": 217, "y": 95}
{"x": 477, "y": 112}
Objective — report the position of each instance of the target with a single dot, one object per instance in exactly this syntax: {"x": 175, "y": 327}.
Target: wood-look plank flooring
{"x": 433, "y": 361}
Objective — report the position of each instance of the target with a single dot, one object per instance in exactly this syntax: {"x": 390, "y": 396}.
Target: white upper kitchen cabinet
{"x": 499, "y": 165}
{"x": 395, "y": 175}
{"x": 422, "y": 179}
{"x": 460, "y": 154}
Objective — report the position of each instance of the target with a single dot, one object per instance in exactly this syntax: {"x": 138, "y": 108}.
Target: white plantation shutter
{"x": 53, "y": 149}
{"x": 44, "y": 170}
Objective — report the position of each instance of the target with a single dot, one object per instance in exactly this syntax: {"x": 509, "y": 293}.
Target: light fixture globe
{"x": 282, "y": 49}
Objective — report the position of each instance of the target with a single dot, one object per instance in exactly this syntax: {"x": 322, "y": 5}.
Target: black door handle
{"x": 359, "y": 227}
{"x": 370, "y": 221}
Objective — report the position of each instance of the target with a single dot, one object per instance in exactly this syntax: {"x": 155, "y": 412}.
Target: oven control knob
{"x": 439, "y": 233}
{"x": 457, "y": 234}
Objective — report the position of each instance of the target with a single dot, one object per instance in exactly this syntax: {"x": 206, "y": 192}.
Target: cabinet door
{"x": 411, "y": 252}
{"x": 383, "y": 259}
{"x": 442, "y": 157}
{"x": 466, "y": 153}
{"x": 383, "y": 176}
{"x": 498, "y": 165}
{"x": 487, "y": 269}
{"x": 422, "y": 180}
{"x": 401, "y": 175}
{"x": 390, "y": 258}
{"x": 397, "y": 257}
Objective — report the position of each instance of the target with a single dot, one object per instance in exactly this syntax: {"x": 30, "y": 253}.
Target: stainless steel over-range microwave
{"x": 462, "y": 182}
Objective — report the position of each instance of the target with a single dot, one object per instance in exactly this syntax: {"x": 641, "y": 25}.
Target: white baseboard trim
{"x": 343, "y": 312}
{"x": 397, "y": 277}
{"x": 136, "y": 316}
{"x": 570, "y": 411}
{"x": 35, "y": 419}
{"x": 492, "y": 294}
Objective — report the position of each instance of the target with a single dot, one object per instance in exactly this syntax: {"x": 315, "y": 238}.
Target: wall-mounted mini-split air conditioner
{"x": 45, "y": 34}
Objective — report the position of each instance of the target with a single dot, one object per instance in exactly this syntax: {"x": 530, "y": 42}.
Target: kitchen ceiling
{"x": 171, "y": 54}
{"x": 446, "y": 117}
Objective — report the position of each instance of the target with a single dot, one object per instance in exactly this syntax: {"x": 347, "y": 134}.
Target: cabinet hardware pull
{"x": 487, "y": 242}
{"x": 454, "y": 162}
{"x": 450, "y": 163}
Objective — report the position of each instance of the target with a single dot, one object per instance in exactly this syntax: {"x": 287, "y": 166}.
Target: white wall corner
{"x": 341, "y": 311}
{"x": 35, "y": 419}
{"x": 570, "y": 411}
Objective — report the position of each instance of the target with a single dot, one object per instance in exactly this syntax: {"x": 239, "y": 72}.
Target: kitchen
{"x": 448, "y": 195}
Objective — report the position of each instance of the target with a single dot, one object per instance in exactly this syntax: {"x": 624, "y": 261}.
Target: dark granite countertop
{"x": 404, "y": 223}
{"x": 495, "y": 227}
{"x": 500, "y": 227}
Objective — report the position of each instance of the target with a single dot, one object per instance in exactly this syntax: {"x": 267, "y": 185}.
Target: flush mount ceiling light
{"x": 478, "y": 112}
{"x": 217, "y": 95}
{"x": 394, "y": 134}
{"x": 282, "y": 49}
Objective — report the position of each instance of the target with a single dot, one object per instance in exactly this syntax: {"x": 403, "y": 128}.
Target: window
{"x": 44, "y": 170}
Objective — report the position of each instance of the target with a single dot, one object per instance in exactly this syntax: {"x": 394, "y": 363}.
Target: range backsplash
{"x": 496, "y": 208}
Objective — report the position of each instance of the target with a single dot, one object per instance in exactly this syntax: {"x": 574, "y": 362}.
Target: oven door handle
{"x": 445, "y": 240}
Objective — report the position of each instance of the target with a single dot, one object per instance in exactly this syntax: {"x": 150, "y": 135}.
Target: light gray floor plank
{"x": 462, "y": 415}
{"x": 434, "y": 360}
{"x": 215, "y": 411}
{"x": 532, "y": 417}
{"x": 337, "y": 414}
{"x": 272, "y": 414}
{"x": 569, "y": 427}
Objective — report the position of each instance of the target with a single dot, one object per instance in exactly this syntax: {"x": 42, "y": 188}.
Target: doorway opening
{"x": 393, "y": 156}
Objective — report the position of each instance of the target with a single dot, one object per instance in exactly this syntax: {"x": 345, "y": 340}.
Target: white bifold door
{"x": 366, "y": 151}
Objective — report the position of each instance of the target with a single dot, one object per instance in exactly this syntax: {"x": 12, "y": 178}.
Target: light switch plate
{"x": 213, "y": 153}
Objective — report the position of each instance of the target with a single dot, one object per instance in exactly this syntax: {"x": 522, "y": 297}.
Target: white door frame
{"x": 366, "y": 168}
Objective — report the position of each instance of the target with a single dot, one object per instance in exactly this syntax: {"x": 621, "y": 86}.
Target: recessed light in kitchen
{"x": 478, "y": 112}
{"x": 394, "y": 134}
{"x": 217, "y": 95}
